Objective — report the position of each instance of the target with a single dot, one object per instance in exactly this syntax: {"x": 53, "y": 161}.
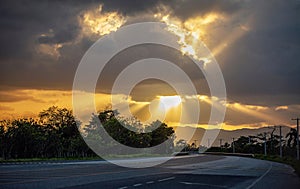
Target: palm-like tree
{"x": 292, "y": 136}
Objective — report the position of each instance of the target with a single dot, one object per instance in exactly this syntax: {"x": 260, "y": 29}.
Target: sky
{"x": 256, "y": 44}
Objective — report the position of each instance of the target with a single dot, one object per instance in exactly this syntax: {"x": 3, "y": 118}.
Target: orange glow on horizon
{"x": 166, "y": 107}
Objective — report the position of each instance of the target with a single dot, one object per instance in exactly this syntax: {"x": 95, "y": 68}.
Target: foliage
{"x": 54, "y": 134}
{"x": 256, "y": 144}
{"x": 129, "y": 132}
{"x": 292, "y": 138}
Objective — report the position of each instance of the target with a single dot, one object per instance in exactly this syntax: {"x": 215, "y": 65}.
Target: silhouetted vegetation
{"x": 257, "y": 144}
{"x": 129, "y": 132}
{"x": 54, "y": 134}
{"x": 183, "y": 146}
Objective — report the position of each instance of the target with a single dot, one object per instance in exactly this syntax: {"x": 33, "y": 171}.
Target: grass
{"x": 48, "y": 159}
{"x": 287, "y": 160}
{"x": 81, "y": 158}
{"x": 132, "y": 156}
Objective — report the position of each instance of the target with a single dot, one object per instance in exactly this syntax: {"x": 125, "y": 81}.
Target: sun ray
{"x": 169, "y": 101}
{"x": 189, "y": 32}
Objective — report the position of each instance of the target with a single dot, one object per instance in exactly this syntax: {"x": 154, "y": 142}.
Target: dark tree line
{"x": 256, "y": 144}
{"x": 129, "y": 131}
{"x": 55, "y": 134}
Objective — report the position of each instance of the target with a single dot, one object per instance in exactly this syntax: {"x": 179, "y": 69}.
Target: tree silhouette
{"x": 127, "y": 131}
{"x": 53, "y": 134}
{"x": 292, "y": 137}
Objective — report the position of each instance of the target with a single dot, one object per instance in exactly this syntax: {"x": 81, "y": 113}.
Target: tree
{"x": 127, "y": 131}
{"x": 2, "y": 138}
{"x": 181, "y": 144}
{"x": 55, "y": 134}
{"x": 292, "y": 137}
{"x": 63, "y": 129}
{"x": 161, "y": 132}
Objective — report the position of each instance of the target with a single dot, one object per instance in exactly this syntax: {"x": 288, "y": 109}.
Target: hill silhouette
{"x": 183, "y": 132}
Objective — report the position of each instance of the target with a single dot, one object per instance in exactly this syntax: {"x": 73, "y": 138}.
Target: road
{"x": 200, "y": 171}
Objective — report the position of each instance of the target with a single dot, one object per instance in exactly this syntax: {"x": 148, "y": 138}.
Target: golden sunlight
{"x": 100, "y": 23}
{"x": 189, "y": 32}
{"x": 169, "y": 101}
{"x": 49, "y": 49}
{"x": 255, "y": 111}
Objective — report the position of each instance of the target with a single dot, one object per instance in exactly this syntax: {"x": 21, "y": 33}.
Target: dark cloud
{"x": 185, "y": 9}
{"x": 132, "y": 54}
{"x": 22, "y": 25}
{"x": 128, "y": 7}
{"x": 261, "y": 67}
{"x": 180, "y": 8}
{"x": 63, "y": 35}
{"x": 263, "y": 63}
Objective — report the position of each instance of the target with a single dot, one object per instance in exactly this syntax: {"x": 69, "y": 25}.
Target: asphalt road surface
{"x": 200, "y": 171}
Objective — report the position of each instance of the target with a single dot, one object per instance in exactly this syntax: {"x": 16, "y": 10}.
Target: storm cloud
{"x": 42, "y": 43}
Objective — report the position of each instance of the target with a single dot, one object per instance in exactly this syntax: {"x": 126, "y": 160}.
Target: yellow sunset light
{"x": 100, "y": 23}
{"x": 169, "y": 101}
{"x": 189, "y": 32}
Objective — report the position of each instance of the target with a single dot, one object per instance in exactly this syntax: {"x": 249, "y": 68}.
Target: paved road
{"x": 202, "y": 171}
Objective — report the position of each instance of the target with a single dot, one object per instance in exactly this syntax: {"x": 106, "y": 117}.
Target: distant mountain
{"x": 225, "y": 135}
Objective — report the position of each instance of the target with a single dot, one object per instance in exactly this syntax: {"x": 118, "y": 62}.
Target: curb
{"x": 229, "y": 154}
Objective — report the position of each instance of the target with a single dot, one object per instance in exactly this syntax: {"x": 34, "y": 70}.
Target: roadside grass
{"x": 133, "y": 156}
{"x": 48, "y": 159}
{"x": 286, "y": 160}
{"x": 81, "y": 158}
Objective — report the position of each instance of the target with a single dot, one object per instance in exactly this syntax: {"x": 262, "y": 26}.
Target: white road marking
{"x": 170, "y": 178}
{"x": 124, "y": 187}
{"x": 150, "y": 182}
{"x": 187, "y": 183}
{"x": 203, "y": 184}
{"x": 138, "y": 184}
{"x": 262, "y": 176}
